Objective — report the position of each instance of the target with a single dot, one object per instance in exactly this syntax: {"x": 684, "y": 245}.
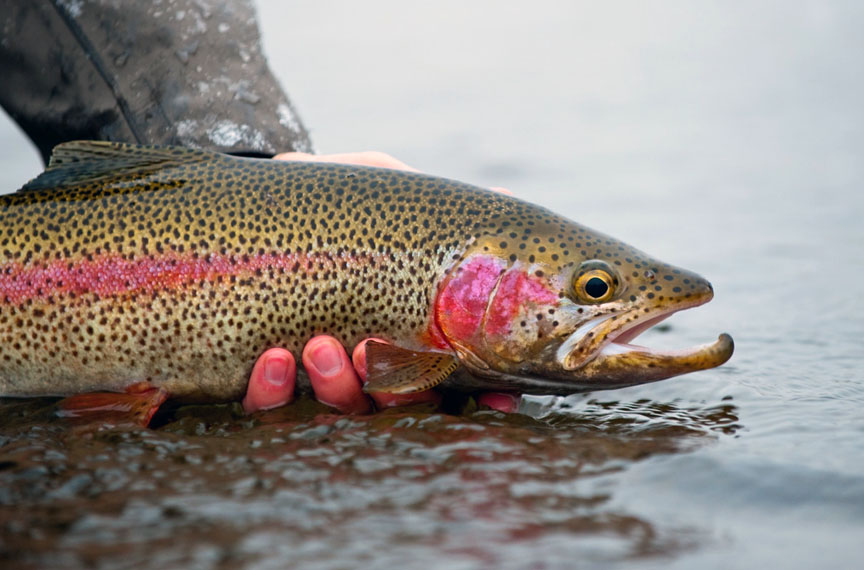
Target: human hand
{"x": 365, "y": 158}
{"x": 337, "y": 380}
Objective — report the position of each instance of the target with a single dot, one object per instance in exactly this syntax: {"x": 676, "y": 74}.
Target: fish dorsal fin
{"x": 394, "y": 370}
{"x": 82, "y": 162}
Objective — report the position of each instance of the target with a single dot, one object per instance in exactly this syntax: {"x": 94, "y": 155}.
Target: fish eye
{"x": 594, "y": 286}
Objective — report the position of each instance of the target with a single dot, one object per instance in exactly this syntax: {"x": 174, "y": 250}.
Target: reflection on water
{"x": 210, "y": 486}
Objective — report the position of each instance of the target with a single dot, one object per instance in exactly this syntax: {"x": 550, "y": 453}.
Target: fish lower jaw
{"x": 618, "y": 360}
{"x": 619, "y": 365}
{"x": 605, "y": 336}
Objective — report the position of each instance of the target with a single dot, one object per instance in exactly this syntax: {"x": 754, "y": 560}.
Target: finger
{"x": 507, "y": 403}
{"x": 501, "y": 190}
{"x": 271, "y": 383}
{"x": 358, "y": 357}
{"x": 298, "y": 156}
{"x": 389, "y": 400}
{"x": 332, "y": 377}
{"x": 366, "y": 158}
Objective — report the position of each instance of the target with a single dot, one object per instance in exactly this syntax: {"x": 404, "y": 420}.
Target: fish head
{"x": 552, "y": 308}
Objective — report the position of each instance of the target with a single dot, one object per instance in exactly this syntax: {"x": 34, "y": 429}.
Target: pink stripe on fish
{"x": 109, "y": 275}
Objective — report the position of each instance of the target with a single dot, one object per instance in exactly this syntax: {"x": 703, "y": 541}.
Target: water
{"x": 725, "y": 138}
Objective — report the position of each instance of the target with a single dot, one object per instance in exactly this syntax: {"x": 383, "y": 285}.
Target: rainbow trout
{"x": 177, "y": 268}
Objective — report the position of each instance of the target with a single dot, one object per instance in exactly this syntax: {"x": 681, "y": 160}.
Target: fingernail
{"x": 276, "y": 370}
{"x": 327, "y": 358}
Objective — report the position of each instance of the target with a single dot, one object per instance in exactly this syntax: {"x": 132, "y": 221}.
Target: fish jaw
{"x": 622, "y": 365}
{"x": 600, "y": 355}
{"x": 617, "y": 366}
{"x": 618, "y": 324}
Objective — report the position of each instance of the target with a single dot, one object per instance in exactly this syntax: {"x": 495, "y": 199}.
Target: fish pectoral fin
{"x": 135, "y": 407}
{"x": 82, "y": 162}
{"x": 394, "y": 370}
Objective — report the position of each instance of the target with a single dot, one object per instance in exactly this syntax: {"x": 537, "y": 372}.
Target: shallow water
{"x": 723, "y": 138}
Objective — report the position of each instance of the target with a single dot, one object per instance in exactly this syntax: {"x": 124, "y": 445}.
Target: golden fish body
{"x": 123, "y": 264}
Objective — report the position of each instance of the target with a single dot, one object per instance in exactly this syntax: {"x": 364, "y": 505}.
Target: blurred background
{"x": 725, "y": 137}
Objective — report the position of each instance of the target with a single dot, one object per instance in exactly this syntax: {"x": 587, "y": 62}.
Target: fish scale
{"x": 124, "y": 264}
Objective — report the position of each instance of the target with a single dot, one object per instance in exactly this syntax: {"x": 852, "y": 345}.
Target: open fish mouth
{"x": 601, "y": 352}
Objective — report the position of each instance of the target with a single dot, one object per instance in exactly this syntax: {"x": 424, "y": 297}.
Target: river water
{"x": 726, "y": 138}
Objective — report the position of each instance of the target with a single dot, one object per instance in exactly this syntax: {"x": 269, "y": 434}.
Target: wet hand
{"x": 336, "y": 379}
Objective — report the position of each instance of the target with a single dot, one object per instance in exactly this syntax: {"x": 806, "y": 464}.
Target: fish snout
{"x": 677, "y": 288}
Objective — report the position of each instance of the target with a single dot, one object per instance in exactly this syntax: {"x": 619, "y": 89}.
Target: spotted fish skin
{"x": 123, "y": 264}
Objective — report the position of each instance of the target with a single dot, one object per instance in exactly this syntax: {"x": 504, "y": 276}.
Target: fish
{"x": 154, "y": 272}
